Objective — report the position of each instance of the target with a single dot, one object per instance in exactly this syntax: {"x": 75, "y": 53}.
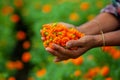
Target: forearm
{"x": 107, "y": 23}
{"x": 110, "y": 38}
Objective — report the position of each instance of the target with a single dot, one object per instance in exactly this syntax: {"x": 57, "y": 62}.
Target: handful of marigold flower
{"x": 59, "y": 34}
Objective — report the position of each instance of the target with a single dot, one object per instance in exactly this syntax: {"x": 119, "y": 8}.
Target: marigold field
{"x": 22, "y": 52}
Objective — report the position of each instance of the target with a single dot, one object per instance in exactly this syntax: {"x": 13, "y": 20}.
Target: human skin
{"x": 108, "y": 24}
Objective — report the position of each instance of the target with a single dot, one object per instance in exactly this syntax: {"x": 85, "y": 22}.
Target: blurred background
{"x": 22, "y": 55}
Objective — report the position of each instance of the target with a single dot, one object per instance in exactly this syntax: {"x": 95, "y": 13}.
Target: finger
{"x": 81, "y": 51}
{"x": 67, "y": 25}
{"x": 61, "y": 50}
{"x": 65, "y": 52}
{"x": 53, "y": 52}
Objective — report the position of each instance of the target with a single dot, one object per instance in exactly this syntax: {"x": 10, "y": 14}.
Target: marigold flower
{"x": 41, "y": 73}
{"x": 18, "y": 65}
{"x": 26, "y": 57}
{"x": 20, "y": 35}
{"x": 26, "y": 45}
{"x": 74, "y": 16}
{"x": 78, "y": 60}
{"x": 77, "y": 73}
{"x": 108, "y": 78}
{"x": 46, "y": 8}
{"x": 14, "y": 18}
{"x": 105, "y": 70}
{"x": 84, "y": 6}
{"x": 11, "y": 78}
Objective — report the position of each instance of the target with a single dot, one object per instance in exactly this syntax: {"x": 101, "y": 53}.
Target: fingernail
{"x": 42, "y": 38}
{"x": 68, "y": 45}
{"x": 47, "y": 49}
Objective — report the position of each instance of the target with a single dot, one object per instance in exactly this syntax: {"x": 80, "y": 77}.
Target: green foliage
{"x": 35, "y": 14}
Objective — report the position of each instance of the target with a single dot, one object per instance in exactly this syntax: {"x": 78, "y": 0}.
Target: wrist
{"x": 98, "y": 40}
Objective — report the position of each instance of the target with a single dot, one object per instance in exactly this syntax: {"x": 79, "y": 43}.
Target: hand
{"x": 85, "y": 43}
{"x": 66, "y": 24}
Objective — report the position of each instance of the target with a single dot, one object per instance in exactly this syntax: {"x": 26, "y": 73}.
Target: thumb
{"x": 74, "y": 43}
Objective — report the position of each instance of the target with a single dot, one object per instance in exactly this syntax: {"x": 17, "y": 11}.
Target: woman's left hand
{"x": 84, "y": 44}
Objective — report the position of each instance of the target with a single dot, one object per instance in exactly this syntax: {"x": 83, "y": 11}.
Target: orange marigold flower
{"x": 57, "y": 40}
{"x": 41, "y": 73}
{"x": 78, "y": 60}
{"x": 14, "y": 18}
{"x": 108, "y": 78}
{"x": 105, "y": 71}
{"x": 10, "y": 65}
{"x": 64, "y": 40}
{"x": 7, "y": 10}
{"x": 11, "y": 78}
{"x": 18, "y": 65}
{"x": 18, "y": 3}
{"x": 77, "y": 73}
{"x": 74, "y": 16}
{"x": 116, "y": 55}
{"x": 26, "y": 45}
{"x": 26, "y": 57}
{"x": 46, "y": 8}
{"x": 20, "y": 35}
{"x": 84, "y": 6}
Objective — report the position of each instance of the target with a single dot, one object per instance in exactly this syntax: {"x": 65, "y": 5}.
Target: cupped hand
{"x": 84, "y": 44}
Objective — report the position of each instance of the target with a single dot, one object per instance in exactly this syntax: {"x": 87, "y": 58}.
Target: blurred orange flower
{"x": 7, "y": 10}
{"x": 19, "y": 65}
{"x": 26, "y": 45}
{"x": 77, "y": 73}
{"x": 14, "y": 18}
{"x": 92, "y": 73}
{"x": 105, "y": 71}
{"x": 46, "y": 8}
{"x": 10, "y": 65}
{"x": 26, "y": 57}
{"x": 74, "y": 16}
{"x": 11, "y": 78}
{"x": 18, "y": 3}
{"x": 113, "y": 52}
{"x": 14, "y": 65}
{"x": 108, "y": 78}
{"x": 116, "y": 55}
{"x": 84, "y": 6}
{"x": 41, "y": 72}
{"x": 78, "y": 60}
{"x": 20, "y": 35}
